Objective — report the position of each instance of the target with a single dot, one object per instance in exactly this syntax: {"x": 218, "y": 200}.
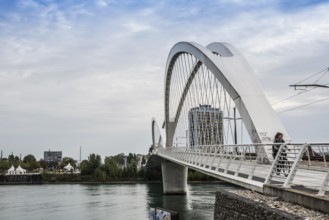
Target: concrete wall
{"x": 231, "y": 206}
{"x": 21, "y": 179}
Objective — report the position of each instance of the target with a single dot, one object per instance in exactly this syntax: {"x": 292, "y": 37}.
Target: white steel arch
{"x": 157, "y": 139}
{"x": 235, "y": 75}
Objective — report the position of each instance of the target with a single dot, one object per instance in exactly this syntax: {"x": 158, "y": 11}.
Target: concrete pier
{"x": 174, "y": 178}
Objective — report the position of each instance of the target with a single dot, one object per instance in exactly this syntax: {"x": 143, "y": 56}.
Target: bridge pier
{"x": 174, "y": 178}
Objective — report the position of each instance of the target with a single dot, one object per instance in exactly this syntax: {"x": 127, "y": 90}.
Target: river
{"x": 104, "y": 201}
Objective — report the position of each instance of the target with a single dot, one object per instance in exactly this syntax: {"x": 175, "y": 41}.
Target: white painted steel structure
{"x": 219, "y": 77}
{"x": 238, "y": 164}
{"x": 195, "y": 71}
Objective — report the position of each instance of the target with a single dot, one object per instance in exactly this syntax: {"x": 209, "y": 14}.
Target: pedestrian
{"x": 275, "y": 147}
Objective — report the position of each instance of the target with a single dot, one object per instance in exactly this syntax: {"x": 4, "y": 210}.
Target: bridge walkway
{"x": 247, "y": 172}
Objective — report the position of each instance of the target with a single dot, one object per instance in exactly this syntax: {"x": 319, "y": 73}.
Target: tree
{"x": 4, "y": 165}
{"x": 100, "y": 174}
{"x": 95, "y": 161}
{"x": 29, "y": 159}
{"x": 153, "y": 168}
{"x": 33, "y": 165}
{"x": 131, "y": 157}
{"x": 43, "y": 164}
{"x": 133, "y": 168}
{"x": 68, "y": 160}
{"x": 13, "y": 159}
{"x": 119, "y": 158}
{"x": 88, "y": 167}
{"x": 111, "y": 168}
{"x": 84, "y": 167}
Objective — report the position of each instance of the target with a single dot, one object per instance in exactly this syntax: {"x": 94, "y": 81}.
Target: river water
{"x": 104, "y": 201}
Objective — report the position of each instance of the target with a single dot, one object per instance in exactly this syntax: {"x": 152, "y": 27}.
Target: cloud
{"x": 92, "y": 74}
{"x": 102, "y": 3}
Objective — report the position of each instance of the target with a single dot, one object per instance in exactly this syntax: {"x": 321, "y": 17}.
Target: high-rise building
{"x": 205, "y": 126}
{"x": 52, "y": 156}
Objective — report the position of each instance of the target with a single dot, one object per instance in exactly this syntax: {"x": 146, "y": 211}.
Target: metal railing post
{"x": 294, "y": 167}
{"x": 274, "y": 165}
{"x": 251, "y": 174}
{"x": 208, "y": 155}
{"x": 309, "y": 157}
{"x": 228, "y": 164}
{"x": 190, "y": 158}
{"x": 324, "y": 158}
{"x": 215, "y": 154}
{"x": 239, "y": 166}
{"x": 322, "y": 190}
{"x": 221, "y": 156}
{"x": 202, "y": 157}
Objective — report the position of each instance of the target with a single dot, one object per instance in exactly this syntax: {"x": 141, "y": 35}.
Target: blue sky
{"x": 90, "y": 73}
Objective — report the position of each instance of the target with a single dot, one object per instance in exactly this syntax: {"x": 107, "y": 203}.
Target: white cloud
{"x": 102, "y": 3}
{"x": 79, "y": 75}
{"x": 28, "y": 4}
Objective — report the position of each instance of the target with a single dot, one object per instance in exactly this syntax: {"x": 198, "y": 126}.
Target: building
{"x": 52, "y": 158}
{"x": 205, "y": 126}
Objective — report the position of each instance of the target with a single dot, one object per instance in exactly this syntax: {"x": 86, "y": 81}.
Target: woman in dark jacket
{"x": 277, "y": 139}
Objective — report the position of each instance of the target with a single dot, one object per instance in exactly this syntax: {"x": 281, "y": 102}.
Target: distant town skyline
{"x": 91, "y": 73}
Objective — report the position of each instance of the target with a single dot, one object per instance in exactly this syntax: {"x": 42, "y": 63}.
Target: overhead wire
{"x": 301, "y": 106}
{"x": 325, "y": 71}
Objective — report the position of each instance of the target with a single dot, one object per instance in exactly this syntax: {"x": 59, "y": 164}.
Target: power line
{"x": 301, "y": 106}
{"x": 302, "y": 92}
{"x": 292, "y": 96}
{"x": 326, "y": 69}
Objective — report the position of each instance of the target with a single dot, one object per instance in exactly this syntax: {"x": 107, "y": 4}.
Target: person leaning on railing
{"x": 275, "y": 147}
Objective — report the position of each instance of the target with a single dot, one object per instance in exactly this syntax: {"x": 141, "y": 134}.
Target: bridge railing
{"x": 301, "y": 166}
{"x": 296, "y": 164}
{"x": 237, "y": 160}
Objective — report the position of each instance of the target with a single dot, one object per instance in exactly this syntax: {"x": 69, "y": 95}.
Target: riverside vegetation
{"x": 93, "y": 170}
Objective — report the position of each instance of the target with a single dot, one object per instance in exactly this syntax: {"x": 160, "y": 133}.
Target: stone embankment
{"x": 246, "y": 204}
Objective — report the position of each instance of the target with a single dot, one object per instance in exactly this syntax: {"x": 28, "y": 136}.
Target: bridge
{"x": 219, "y": 122}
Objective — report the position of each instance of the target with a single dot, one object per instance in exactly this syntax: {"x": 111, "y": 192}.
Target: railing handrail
{"x": 294, "y": 164}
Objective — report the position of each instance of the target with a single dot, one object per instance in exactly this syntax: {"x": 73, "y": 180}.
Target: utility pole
{"x": 80, "y": 157}
{"x": 235, "y": 127}
{"x": 235, "y": 133}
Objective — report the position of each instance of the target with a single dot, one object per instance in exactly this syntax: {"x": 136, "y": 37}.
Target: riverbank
{"x": 76, "y": 179}
{"x": 260, "y": 201}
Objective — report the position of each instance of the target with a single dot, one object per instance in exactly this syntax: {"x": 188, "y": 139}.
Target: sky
{"x": 90, "y": 73}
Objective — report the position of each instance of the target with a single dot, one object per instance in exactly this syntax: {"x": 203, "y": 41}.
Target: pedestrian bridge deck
{"x": 247, "y": 171}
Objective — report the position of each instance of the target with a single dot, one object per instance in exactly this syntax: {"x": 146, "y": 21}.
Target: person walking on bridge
{"x": 275, "y": 147}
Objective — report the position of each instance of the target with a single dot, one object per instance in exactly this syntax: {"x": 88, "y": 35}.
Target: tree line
{"x": 31, "y": 164}
{"x": 114, "y": 168}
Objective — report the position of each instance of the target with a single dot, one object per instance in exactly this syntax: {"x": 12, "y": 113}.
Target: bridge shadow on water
{"x": 198, "y": 203}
